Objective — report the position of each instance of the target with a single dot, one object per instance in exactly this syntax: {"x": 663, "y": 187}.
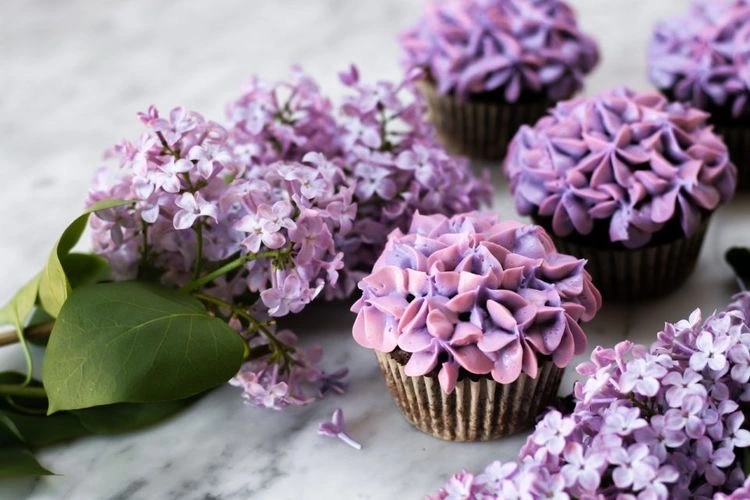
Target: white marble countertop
{"x": 73, "y": 75}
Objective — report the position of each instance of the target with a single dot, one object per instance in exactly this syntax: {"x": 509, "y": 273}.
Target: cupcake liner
{"x": 737, "y": 139}
{"x": 479, "y": 130}
{"x": 477, "y": 410}
{"x": 641, "y": 273}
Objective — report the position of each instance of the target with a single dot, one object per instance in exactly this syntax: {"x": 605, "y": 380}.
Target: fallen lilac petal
{"x": 336, "y": 428}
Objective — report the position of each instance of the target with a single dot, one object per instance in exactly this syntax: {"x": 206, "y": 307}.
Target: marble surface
{"x": 73, "y": 75}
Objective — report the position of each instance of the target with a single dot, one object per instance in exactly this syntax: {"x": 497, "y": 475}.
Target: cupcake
{"x": 627, "y": 181}
{"x": 473, "y": 321}
{"x": 493, "y": 65}
{"x": 703, "y": 57}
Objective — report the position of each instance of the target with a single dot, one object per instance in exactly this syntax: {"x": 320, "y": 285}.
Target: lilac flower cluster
{"x": 250, "y": 241}
{"x": 282, "y": 121}
{"x": 197, "y": 207}
{"x": 379, "y": 137}
{"x": 295, "y": 381}
{"x": 394, "y": 160}
{"x": 665, "y": 421}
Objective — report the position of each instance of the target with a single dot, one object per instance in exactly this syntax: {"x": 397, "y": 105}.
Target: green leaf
{"x": 9, "y": 433}
{"x": 20, "y": 306}
{"x": 17, "y": 461}
{"x": 85, "y": 269}
{"x": 128, "y": 417}
{"x": 38, "y": 431}
{"x": 134, "y": 342}
{"x": 55, "y": 286}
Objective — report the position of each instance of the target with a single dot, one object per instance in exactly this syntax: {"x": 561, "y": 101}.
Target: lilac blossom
{"x": 254, "y": 242}
{"x": 296, "y": 381}
{"x": 378, "y": 136}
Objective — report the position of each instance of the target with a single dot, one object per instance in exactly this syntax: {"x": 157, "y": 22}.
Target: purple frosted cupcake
{"x": 493, "y": 65}
{"x": 473, "y": 321}
{"x": 627, "y": 181}
{"x": 703, "y": 57}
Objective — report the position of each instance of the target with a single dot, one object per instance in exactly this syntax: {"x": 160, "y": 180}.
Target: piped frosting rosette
{"x": 703, "y": 56}
{"x": 510, "y": 46}
{"x": 476, "y": 294}
{"x": 633, "y": 160}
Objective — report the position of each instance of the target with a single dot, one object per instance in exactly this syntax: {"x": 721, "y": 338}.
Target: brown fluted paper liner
{"x": 477, "y": 129}
{"x": 641, "y": 273}
{"x": 477, "y": 410}
{"x": 737, "y": 139}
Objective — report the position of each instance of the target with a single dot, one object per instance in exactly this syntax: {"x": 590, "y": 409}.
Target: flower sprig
{"x": 250, "y": 241}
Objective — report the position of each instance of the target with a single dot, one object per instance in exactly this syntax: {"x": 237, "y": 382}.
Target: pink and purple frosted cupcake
{"x": 627, "y": 181}
{"x": 473, "y": 321}
{"x": 493, "y": 65}
{"x": 703, "y": 57}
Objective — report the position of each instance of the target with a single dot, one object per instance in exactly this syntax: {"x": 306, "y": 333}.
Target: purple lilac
{"x": 632, "y": 161}
{"x": 282, "y": 121}
{"x": 378, "y": 136}
{"x": 513, "y": 47}
{"x": 289, "y": 213}
{"x": 196, "y": 207}
{"x": 393, "y": 158}
{"x": 476, "y": 294}
{"x": 296, "y": 381}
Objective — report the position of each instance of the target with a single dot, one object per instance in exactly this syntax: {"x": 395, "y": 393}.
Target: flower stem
{"x": 199, "y": 250}
{"x": 144, "y": 249}
{"x": 36, "y": 332}
{"x": 349, "y": 440}
{"x": 226, "y": 268}
{"x": 279, "y": 347}
{"x": 23, "y": 391}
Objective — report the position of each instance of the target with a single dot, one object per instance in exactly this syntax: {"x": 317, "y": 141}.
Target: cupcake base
{"x": 477, "y": 410}
{"x": 643, "y": 273}
{"x": 479, "y": 129}
{"x": 737, "y": 139}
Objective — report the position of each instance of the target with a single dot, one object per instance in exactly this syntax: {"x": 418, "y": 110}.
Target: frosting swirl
{"x": 513, "y": 47}
{"x": 631, "y": 160}
{"x": 476, "y": 294}
{"x": 703, "y": 57}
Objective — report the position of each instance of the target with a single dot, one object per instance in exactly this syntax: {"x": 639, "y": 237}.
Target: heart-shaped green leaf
{"x": 54, "y": 286}
{"x": 133, "y": 342}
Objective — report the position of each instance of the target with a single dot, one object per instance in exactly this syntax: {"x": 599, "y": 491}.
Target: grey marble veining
{"x": 73, "y": 75}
